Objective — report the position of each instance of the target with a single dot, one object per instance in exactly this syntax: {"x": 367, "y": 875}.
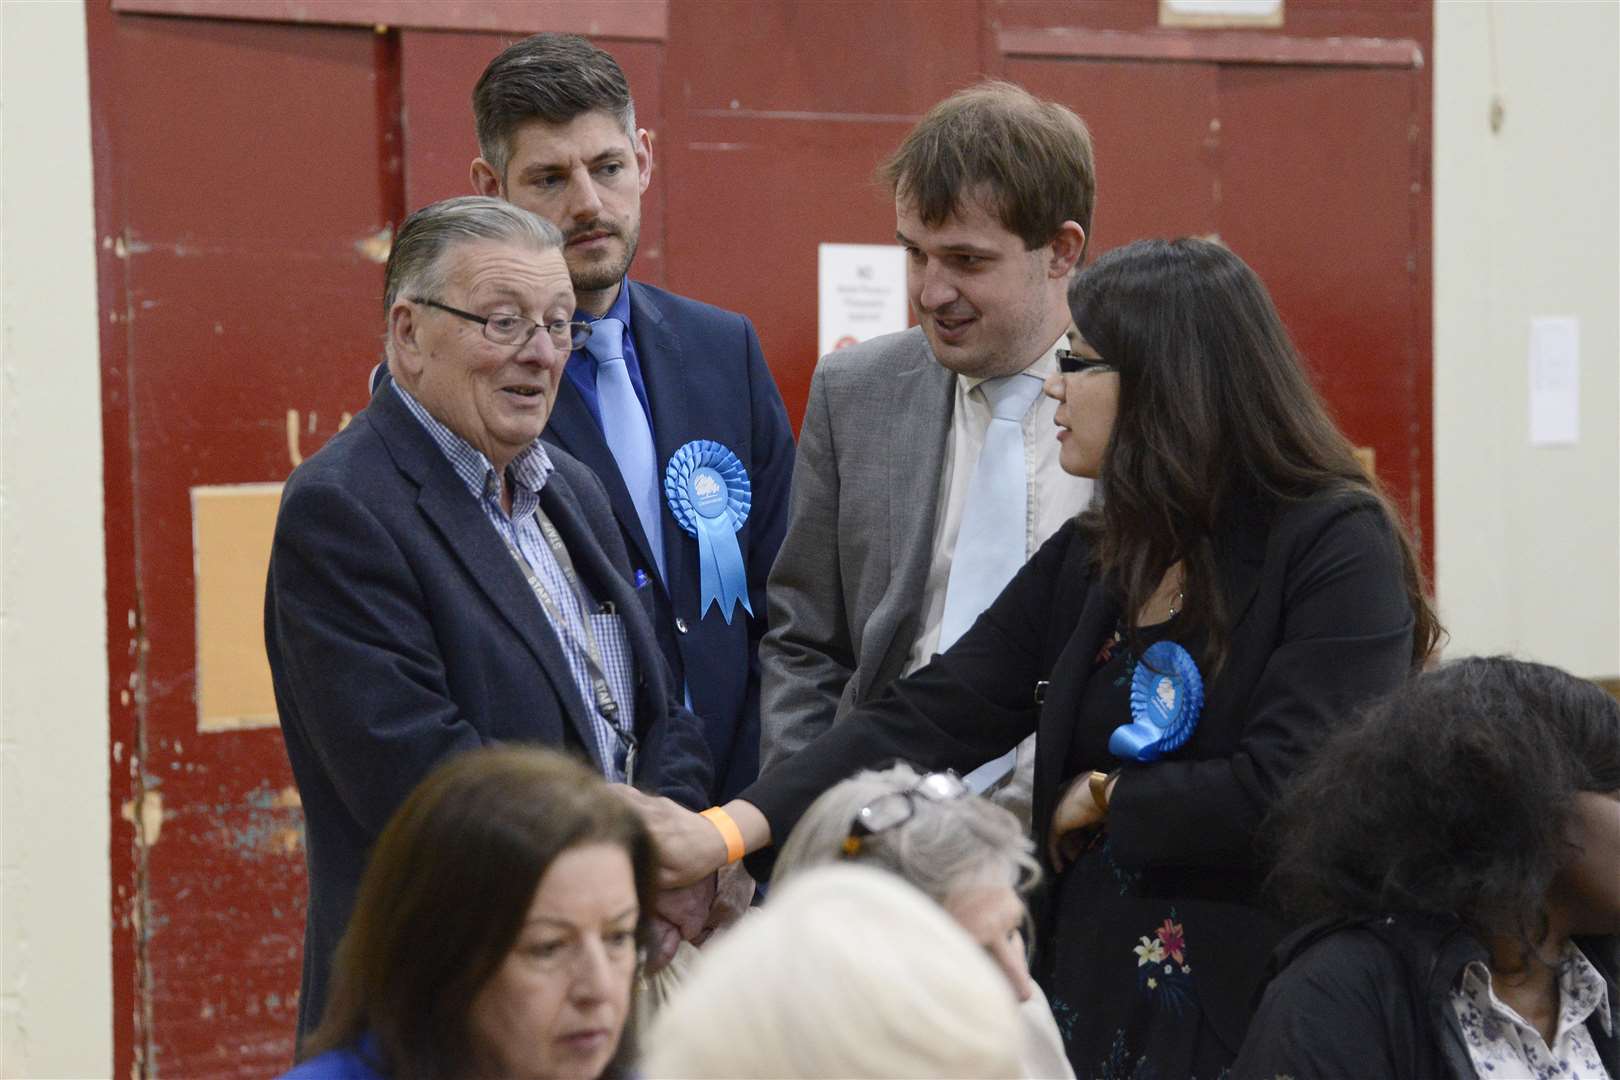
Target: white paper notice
{"x": 863, "y": 293}
{"x": 1555, "y": 381}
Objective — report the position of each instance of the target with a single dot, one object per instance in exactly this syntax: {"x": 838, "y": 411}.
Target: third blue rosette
{"x": 709, "y": 493}
{"x": 1167, "y": 694}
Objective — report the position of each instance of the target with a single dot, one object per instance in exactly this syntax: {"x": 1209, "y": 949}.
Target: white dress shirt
{"x": 1054, "y": 495}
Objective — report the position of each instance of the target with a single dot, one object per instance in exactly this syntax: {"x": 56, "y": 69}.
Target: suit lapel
{"x": 922, "y": 400}
{"x": 1055, "y": 732}
{"x": 452, "y": 511}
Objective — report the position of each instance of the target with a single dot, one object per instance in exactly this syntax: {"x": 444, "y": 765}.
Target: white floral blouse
{"x": 1503, "y": 1044}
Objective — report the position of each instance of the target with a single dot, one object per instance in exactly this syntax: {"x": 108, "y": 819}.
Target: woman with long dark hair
{"x": 1240, "y": 587}
{"x": 1460, "y": 849}
{"x": 497, "y": 932}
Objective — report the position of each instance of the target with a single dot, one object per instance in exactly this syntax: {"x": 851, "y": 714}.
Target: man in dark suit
{"x": 557, "y": 134}
{"x": 439, "y": 580}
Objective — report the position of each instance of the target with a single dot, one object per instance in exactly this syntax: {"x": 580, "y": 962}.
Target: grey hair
{"x": 551, "y": 78}
{"x": 848, "y": 972}
{"x": 943, "y": 847}
{"x": 415, "y": 264}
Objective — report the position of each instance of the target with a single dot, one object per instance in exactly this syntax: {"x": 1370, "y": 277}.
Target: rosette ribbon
{"x": 709, "y": 494}
{"x": 1167, "y": 694}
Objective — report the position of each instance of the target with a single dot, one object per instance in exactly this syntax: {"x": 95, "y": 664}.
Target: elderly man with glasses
{"x": 440, "y": 580}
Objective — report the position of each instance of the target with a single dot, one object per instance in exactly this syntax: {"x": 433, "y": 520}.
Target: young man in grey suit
{"x": 927, "y": 470}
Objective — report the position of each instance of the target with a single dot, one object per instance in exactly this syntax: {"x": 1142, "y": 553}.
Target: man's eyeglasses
{"x": 505, "y": 329}
{"x": 895, "y": 808}
{"x": 1070, "y": 363}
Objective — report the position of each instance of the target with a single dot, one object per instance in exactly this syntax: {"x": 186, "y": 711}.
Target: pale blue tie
{"x": 990, "y": 545}
{"x": 628, "y": 434}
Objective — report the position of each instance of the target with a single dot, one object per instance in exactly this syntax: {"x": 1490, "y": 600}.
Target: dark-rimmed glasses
{"x": 1071, "y": 363}
{"x": 504, "y": 329}
{"x": 895, "y": 808}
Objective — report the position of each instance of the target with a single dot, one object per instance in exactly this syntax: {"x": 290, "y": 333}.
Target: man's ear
{"x": 1067, "y": 247}
{"x": 405, "y": 356}
{"x": 485, "y": 181}
{"x": 644, "y": 160}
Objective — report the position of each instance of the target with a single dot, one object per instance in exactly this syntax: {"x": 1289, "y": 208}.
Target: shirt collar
{"x": 529, "y": 470}
{"x": 1581, "y": 991}
{"x": 620, "y": 309}
{"x": 1045, "y": 365}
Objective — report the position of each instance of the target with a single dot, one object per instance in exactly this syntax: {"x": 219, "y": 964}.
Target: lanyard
{"x": 605, "y": 705}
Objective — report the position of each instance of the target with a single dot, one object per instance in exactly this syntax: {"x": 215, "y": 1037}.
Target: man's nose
{"x": 542, "y": 350}
{"x": 938, "y": 288}
{"x": 584, "y": 203}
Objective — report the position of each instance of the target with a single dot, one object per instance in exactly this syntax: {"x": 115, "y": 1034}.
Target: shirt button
{"x": 680, "y": 626}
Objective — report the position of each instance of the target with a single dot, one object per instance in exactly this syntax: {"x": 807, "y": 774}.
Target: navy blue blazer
{"x": 400, "y": 631}
{"x": 706, "y": 379}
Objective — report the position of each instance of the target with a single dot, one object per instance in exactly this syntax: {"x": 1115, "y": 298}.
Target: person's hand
{"x": 1077, "y": 813}
{"x": 734, "y": 891}
{"x": 666, "y": 938}
{"x": 689, "y": 848}
{"x": 687, "y": 907}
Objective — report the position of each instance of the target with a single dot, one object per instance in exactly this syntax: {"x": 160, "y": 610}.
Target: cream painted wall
{"x": 1526, "y": 223}
{"x": 55, "y": 948}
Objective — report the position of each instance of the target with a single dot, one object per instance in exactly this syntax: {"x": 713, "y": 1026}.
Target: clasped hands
{"x": 699, "y": 894}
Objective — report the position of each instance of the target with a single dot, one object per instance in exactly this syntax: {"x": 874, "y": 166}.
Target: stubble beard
{"x": 598, "y": 275}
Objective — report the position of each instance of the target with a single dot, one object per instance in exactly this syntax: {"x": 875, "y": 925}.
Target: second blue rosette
{"x": 1167, "y": 695}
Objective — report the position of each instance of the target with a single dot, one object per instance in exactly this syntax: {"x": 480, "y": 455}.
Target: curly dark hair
{"x": 1450, "y": 796}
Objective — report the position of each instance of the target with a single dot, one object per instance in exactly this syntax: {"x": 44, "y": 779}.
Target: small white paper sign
{"x": 862, "y": 291}
{"x": 1555, "y": 381}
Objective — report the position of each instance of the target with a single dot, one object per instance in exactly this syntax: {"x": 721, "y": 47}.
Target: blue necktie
{"x": 628, "y": 434}
{"x": 990, "y": 545}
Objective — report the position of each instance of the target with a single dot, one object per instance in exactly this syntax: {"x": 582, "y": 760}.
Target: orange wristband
{"x": 735, "y": 848}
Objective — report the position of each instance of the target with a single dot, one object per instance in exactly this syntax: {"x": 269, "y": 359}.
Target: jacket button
{"x": 680, "y": 626}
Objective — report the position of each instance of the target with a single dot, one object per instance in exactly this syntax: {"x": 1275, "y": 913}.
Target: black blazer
{"x": 400, "y": 631}
{"x": 706, "y": 379}
{"x": 1320, "y": 623}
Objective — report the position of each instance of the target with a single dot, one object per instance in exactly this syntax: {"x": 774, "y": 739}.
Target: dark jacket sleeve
{"x": 971, "y": 704}
{"x": 1340, "y": 1011}
{"x": 1345, "y": 638}
{"x": 354, "y": 654}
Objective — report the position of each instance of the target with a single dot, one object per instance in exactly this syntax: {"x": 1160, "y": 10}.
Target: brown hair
{"x": 1216, "y": 419}
{"x": 548, "y": 77}
{"x": 1032, "y": 159}
{"x": 445, "y": 895}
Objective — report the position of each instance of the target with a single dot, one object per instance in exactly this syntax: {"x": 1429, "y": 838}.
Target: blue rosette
{"x": 1167, "y": 695}
{"x": 709, "y": 493}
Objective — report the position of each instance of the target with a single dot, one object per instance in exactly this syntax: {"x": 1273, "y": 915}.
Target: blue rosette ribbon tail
{"x": 709, "y": 493}
{"x": 1167, "y": 695}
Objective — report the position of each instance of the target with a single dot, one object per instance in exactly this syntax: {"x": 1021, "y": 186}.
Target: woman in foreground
{"x": 496, "y": 933}
{"x": 1461, "y": 846}
{"x": 846, "y": 972}
{"x": 1238, "y": 590}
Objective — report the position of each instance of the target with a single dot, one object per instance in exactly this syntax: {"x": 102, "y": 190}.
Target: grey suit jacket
{"x": 846, "y": 593}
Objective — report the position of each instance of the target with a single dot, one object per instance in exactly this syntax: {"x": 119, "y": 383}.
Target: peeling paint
{"x": 376, "y": 246}
{"x": 293, "y": 452}
{"x": 150, "y": 816}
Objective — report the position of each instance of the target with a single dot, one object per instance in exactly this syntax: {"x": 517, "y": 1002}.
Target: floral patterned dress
{"x": 1120, "y": 971}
